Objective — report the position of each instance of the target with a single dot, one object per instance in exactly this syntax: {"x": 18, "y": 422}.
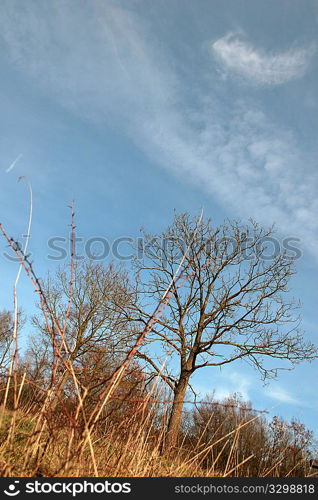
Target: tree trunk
{"x": 176, "y": 413}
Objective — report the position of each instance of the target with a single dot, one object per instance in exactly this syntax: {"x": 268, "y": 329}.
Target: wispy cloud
{"x": 280, "y": 394}
{"x": 238, "y": 56}
{"x": 113, "y": 71}
{"x": 225, "y": 385}
{"x": 252, "y": 166}
{"x": 13, "y": 164}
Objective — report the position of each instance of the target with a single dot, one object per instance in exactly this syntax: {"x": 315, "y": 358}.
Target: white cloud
{"x": 280, "y": 394}
{"x": 114, "y": 72}
{"x": 252, "y": 166}
{"x": 225, "y": 385}
{"x": 257, "y": 67}
{"x": 103, "y": 68}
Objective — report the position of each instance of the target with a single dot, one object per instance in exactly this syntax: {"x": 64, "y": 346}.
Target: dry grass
{"x": 135, "y": 455}
{"x": 28, "y": 449}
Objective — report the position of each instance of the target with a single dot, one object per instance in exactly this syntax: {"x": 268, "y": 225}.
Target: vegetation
{"x": 94, "y": 394}
{"x": 232, "y": 303}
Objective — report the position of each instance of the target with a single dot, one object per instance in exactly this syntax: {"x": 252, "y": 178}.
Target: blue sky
{"x": 136, "y": 108}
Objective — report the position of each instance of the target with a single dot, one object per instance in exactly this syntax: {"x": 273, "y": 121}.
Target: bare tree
{"x": 93, "y": 312}
{"x": 232, "y": 303}
{"x": 6, "y": 332}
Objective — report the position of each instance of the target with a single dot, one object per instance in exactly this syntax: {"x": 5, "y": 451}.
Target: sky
{"x": 138, "y": 108}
